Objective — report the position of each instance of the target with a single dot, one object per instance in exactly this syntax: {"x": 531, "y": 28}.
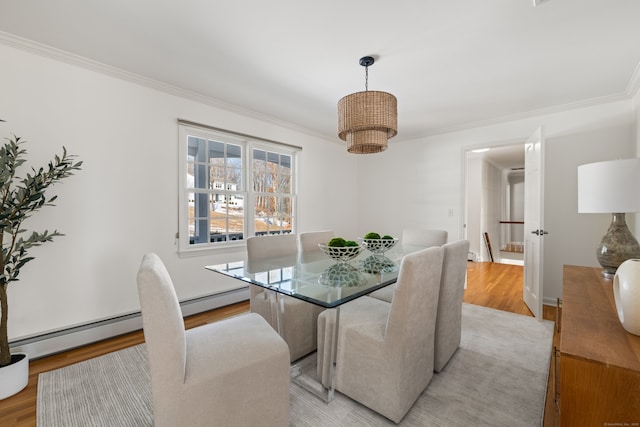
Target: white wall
{"x": 125, "y": 200}
{"x": 473, "y": 231}
{"x": 516, "y": 207}
{"x": 424, "y": 179}
{"x": 411, "y": 184}
{"x": 483, "y": 206}
{"x": 491, "y": 209}
{"x": 573, "y": 237}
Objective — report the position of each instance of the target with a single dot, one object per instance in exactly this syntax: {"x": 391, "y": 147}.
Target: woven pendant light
{"x": 366, "y": 120}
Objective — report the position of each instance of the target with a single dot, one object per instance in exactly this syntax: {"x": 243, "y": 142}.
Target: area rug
{"x": 498, "y": 377}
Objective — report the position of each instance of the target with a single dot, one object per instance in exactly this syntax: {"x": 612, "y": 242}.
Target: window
{"x": 272, "y": 192}
{"x": 233, "y": 186}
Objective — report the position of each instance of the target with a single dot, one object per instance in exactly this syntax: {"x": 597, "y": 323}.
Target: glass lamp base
{"x": 617, "y": 246}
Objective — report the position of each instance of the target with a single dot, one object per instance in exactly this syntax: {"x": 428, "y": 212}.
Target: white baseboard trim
{"x": 76, "y": 336}
{"x": 550, "y": 301}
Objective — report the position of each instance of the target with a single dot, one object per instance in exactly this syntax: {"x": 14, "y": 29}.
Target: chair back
{"x": 411, "y": 324}
{"x": 424, "y": 237}
{"x": 162, "y": 322}
{"x": 308, "y": 241}
{"x": 449, "y": 323}
{"x": 273, "y": 245}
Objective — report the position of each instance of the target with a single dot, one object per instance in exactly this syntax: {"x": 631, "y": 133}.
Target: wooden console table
{"x": 599, "y": 370}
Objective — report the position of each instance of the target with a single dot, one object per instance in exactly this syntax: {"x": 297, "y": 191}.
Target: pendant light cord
{"x": 366, "y": 78}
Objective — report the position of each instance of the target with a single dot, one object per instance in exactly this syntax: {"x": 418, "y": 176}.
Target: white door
{"x": 533, "y": 222}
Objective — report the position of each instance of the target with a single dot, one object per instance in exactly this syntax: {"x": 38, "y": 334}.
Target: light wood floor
{"x": 488, "y": 284}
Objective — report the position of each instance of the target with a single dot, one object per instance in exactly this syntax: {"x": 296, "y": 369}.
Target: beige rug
{"x": 497, "y": 377}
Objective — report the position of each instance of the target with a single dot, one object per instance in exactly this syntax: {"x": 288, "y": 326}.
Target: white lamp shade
{"x": 609, "y": 187}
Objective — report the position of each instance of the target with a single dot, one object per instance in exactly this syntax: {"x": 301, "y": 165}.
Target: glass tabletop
{"x": 318, "y": 279}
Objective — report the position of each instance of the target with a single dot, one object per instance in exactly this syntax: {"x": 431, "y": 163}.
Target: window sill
{"x": 228, "y": 248}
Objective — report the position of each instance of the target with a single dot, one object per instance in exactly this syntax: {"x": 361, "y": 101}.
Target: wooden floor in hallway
{"x": 495, "y": 285}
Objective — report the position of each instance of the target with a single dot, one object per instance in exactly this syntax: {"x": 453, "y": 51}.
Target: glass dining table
{"x": 317, "y": 279}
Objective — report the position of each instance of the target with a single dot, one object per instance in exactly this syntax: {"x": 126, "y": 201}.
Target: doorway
{"x": 494, "y": 203}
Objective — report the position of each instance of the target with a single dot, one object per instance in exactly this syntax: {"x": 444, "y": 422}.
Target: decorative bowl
{"x": 342, "y": 275}
{"x": 340, "y": 253}
{"x": 378, "y": 246}
{"x": 378, "y": 264}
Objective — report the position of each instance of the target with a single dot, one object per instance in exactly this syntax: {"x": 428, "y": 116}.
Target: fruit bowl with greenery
{"x": 373, "y": 242}
{"x": 340, "y": 249}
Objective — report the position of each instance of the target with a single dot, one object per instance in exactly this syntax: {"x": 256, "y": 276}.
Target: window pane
{"x": 274, "y": 159}
{"x": 218, "y": 227}
{"x": 283, "y": 183}
{"x": 198, "y": 236}
{"x": 287, "y": 206}
{"x": 234, "y": 155}
{"x": 236, "y": 217}
{"x": 216, "y": 150}
{"x": 196, "y": 165}
{"x": 287, "y": 224}
{"x": 234, "y": 179}
{"x": 195, "y": 148}
{"x": 285, "y": 162}
{"x": 191, "y": 219}
{"x": 200, "y": 178}
{"x": 227, "y": 217}
{"x": 217, "y": 162}
{"x": 198, "y": 218}
{"x": 284, "y": 179}
{"x": 271, "y": 177}
{"x": 261, "y": 206}
{"x": 261, "y": 218}
{"x": 259, "y": 169}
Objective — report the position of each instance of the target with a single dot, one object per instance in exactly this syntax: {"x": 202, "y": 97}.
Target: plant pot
{"x": 14, "y": 377}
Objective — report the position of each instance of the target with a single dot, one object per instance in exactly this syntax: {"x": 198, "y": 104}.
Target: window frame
{"x": 269, "y": 148}
{"x": 248, "y": 144}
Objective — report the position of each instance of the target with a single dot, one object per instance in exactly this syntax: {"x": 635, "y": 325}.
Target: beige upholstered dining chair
{"x": 385, "y": 351}
{"x": 233, "y": 372}
{"x": 297, "y": 319}
{"x": 420, "y": 238}
{"x": 258, "y": 248}
{"x": 449, "y": 319}
{"x": 308, "y": 240}
{"x": 424, "y": 237}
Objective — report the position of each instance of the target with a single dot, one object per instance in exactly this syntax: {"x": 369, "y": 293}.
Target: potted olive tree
{"x": 19, "y": 199}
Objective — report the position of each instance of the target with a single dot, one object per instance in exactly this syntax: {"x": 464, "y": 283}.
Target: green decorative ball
{"x": 337, "y": 242}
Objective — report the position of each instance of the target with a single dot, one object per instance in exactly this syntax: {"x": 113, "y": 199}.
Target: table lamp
{"x": 612, "y": 187}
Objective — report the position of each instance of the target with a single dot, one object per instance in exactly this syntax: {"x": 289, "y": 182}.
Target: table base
{"x": 304, "y": 373}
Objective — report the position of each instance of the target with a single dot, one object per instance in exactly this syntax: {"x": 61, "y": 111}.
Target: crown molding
{"x": 530, "y": 114}
{"x": 51, "y": 52}
{"x": 634, "y": 82}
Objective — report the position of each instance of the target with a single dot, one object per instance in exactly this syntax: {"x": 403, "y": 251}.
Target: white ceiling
{"x": 450, "y": 63}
